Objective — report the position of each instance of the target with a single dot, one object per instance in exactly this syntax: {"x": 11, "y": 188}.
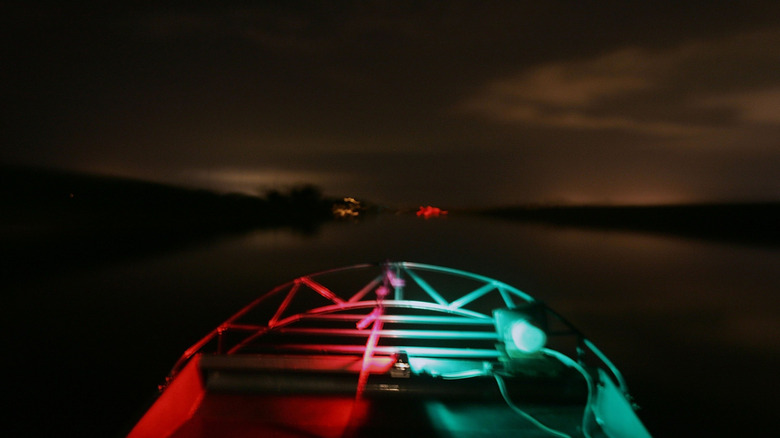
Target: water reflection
{"x": 692, "y": 324}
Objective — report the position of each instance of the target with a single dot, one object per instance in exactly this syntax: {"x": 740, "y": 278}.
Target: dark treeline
{"x": 55, "y": 219}
{"x": 748, "y": 223}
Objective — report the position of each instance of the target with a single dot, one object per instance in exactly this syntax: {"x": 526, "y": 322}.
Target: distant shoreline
{"x": 56, "y": 220}
{"x": 748, "y": 223}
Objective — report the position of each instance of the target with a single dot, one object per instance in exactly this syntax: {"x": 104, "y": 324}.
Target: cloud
{"x": 576, "y": 119}
{"x": 677, "y": 91}
{"x": 760, "y": 106}
{"x": 574, "y": 84}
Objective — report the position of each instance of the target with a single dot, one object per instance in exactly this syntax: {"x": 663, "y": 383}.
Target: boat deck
{"x": 393, "y": 349}
{"x": 258, "y": 395}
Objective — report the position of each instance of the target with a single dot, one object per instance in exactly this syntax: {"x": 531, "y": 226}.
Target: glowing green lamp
{"x": 520, "y": 332}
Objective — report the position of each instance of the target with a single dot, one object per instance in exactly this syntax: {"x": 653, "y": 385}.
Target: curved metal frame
{"x": 393, "y": 275}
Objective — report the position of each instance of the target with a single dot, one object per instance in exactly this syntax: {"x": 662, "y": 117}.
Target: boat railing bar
{"x": 396, "y": 304}
{"x": 391, "y": 319}
{"x": 412, "y": 319}
{"x": 405, "y": 334}
{"x": 412, "y": 351}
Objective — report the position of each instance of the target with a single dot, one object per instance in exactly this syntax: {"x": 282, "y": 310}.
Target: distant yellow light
{"x": 350, "y": 207}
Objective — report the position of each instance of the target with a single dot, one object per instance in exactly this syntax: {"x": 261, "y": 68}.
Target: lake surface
{"x": 693, "y": 325}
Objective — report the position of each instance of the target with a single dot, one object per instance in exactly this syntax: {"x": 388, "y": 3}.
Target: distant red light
{"x": 429, "y": 212}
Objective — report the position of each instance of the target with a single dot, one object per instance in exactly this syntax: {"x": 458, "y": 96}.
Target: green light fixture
{"x": 519, "y": 331}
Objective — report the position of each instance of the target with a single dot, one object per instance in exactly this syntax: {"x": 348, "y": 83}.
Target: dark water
{"x": 692, "y": 324}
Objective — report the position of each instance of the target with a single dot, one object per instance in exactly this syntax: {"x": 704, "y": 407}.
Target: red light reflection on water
{"x": 428, "y": 212}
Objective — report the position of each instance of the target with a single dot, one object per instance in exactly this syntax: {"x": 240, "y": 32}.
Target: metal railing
{"x": 447, "y": 308}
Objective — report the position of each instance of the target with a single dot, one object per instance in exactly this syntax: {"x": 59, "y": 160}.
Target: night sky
{"x": 450, "y": 103}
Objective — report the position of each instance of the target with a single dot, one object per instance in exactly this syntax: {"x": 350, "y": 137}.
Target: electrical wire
{"x": 588, "y": 380}
{"x": 567, "y": 361}
{"x": 502, "y": 388}
{"x": 487, "y": 370}
{"x": 522, "y": 413}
